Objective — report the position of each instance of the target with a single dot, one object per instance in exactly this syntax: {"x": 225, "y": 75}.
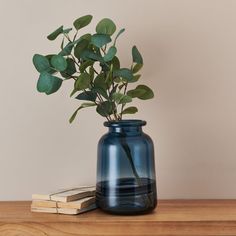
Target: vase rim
{"x": 125, "y": 123}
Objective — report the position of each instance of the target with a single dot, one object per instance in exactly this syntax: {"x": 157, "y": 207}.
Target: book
{"x": 68, "y": 211}
{"x": 77, "y": 204}
{"x": 66, "y": 195}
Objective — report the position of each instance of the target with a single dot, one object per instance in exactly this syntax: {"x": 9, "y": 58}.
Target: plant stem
{"x": 127, "y": 150}
{"x": 68, "y": 38}
{"x": 73, "y": 58}
{"x": 75, "y": 35}
{"x": 123, "y": 105}
{"x": 94, "y": 70}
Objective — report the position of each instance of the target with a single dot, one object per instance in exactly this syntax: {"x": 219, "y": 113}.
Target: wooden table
{"x": 172, "y": 217}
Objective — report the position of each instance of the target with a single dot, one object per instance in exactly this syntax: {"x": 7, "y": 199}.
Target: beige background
{"x": 189, "y": 50}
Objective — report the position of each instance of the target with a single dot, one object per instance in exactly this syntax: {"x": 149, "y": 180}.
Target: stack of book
{"x": 68, "y": 201}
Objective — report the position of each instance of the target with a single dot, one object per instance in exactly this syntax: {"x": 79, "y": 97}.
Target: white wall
{"x": 189, "y": 48}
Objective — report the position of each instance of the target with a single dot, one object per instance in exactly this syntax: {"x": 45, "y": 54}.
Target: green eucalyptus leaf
{"x": 120, "y": 98}
{"x": 124, "y": 73}
{"x": 135, "y": 78}
{"x": 137, "y": 68}
{"x": 70, "y": 69}
{"x": 50, "y": 70}
{"x": 59, "y": 62}
{"x": 82, "y": 82}
{"x": 83, "y": 105}
{"x": 148, "y": 92}
{"x": 85, "y": 65}
{"x": 110, "y": 54}
{"x": 106, "y": 26}
{"x": 74, "y": 115}
{"x": 48, "y": 83}
{"x": 87, "y": 95}
{"x": 134, "y": 93}
{"x": 66, "y": 50}
{"x": 113, "y": 91}
{"x": 86, "y": 36}
{"x": 89, "y": 54}
{"x": 119, "y": 33}
{"x": 41, "y": 63}
{"x": 130, "y": 110}
{"x": 99, "y": 82}
{"x": 117, "y": 80}
{"x": 91, "y": 72}
{"x": 55, "y": 33}
{"x": 80, "y": 47}
{"x": 136, "y": 55}
{"x": 104, "y": 108}
{"x": 142, "y": 92}
{"x": 99, "y": 40}
{"x": 101, "y": 91}
{"x": 82, "y": 21}
{"x": 105, "y": 67}
{"x": 116, "y": 63}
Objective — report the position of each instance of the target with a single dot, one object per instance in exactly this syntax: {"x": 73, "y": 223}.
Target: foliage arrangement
{"x": 90, "y": 61}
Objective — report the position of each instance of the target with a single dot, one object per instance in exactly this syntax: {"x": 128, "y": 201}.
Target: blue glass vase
{"x": 126, "y": 169}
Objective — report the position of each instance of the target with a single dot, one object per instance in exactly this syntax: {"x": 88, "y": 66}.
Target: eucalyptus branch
{"x": 103, "y": 50}
{"x": 95, "y": 70}
{"x": 75, "y": 35}
{"x": 68, "y": 38}
{"x": 78, "y": 54}
{"x": 123, "y": 105}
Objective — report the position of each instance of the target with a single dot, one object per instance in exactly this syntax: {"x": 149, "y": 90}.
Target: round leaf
{"x": 99, "y": 82}
{"x": 130, "y": 110}
{"x": 80, "y": 47}
{"x": 119, "y": 33}
{"x": 59, "y": 62}
{"x": 110, "y": 54}
{"x": 105, "y": 108}
{"x": 136, "y": 55}
{"x": 70, "y": 69}
{"x": 85, "y": 65}
{"x": 82, "y": 82}
{"x": 55, "y": 33}
{"x": 124, "y": 73}
{"x": 41, "y": 63}
{"x": 106, "y": 26}
{"x": 116, "y": 63}
{"x": 87, "y": 95}
{"x": 85, "y": 36}
{"x": 89, "y": 54}
{"x": 48, "y": 83}
{"x": 142, "y": 92}
{"x": 148, "y": 92}
{"x": 100, "y": 40}
{"x": 135, "y": 93}
{"x": 82, "y": 21}
{"x": 120, "y": 98}
{"x": 137, "y": 68}
{"x": 135, "y": 78}
{"x": 67, "y": 49}
{"x": 101, "y": 91}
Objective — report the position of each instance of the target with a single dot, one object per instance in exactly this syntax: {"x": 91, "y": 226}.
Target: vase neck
{"x": 133, "y": 127}
{"x": 126, "y": 130}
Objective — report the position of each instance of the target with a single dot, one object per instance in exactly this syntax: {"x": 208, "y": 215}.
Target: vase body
{"x": 126, "y": 169}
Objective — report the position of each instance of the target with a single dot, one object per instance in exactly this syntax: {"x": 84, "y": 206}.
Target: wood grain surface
{"x": 171, "y": 217}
